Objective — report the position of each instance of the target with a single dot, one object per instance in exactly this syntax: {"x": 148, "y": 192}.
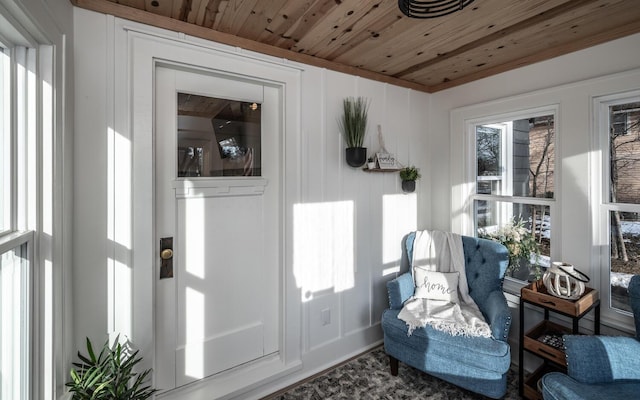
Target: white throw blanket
{"x": 443, "y": 252}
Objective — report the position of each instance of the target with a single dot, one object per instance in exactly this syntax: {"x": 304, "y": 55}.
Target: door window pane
{"x": 218, "y": 137}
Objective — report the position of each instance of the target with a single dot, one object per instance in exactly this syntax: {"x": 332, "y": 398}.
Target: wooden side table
{"x": 545, "y": 339}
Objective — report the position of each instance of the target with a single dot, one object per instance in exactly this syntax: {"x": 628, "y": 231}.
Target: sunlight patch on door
{"x": 194, "y": 235}
{"x": 323, "y": 247}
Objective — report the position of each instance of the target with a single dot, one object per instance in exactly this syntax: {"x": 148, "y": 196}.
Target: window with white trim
{"x": 21, "y": 126}
{"x": 618, "y": 129}
{"x": 513, "y": 184}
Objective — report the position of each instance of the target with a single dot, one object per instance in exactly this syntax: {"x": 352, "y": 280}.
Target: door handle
{"x": 166, "y": 254}
{"x": 166, "y": 257}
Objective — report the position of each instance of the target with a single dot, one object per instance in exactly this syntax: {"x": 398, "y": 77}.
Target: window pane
{"x": 489, "y": 159}
{"x": 14, "y": 317}
{"x": 218, "y": 137}
{"x": 516, "y": 158}
{"x": 624, "y": 147}
{"x": 523, "y": 229}
{"x": 5, "y": 142}
{"x": 489, "y": 150}
{"x": 624, "y": 187}
{"x": 625, "y": 255}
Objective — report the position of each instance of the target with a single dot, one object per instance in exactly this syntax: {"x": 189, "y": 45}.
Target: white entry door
{"x": 217, "y": 168}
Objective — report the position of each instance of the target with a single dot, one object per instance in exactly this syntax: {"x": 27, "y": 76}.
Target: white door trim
{"x": 134, "y": 84}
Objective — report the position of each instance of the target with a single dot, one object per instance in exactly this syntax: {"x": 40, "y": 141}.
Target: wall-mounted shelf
{"x": 380, "y": 170}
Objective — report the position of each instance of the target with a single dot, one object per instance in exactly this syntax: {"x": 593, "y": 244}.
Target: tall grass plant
{"x": 353, "y": 123}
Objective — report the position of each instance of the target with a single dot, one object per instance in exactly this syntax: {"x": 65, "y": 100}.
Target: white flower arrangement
{"x": 519, "y": 241}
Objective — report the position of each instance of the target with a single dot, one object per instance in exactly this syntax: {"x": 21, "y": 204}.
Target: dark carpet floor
{"x": 368, "y": 377}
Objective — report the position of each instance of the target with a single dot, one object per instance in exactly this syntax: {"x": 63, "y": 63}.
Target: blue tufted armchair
{"x": 599, "y": 367}
{"x": 477, "y": 364}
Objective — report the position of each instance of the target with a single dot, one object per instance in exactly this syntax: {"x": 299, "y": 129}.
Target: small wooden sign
{"x": 386, "y": 161}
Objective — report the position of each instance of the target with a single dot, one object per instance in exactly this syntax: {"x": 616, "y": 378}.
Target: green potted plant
{"x": 521, "y": 244}
{"x": 110, "y": 375}
{"x": 371, "y": 163}
{"x": 353, "y": 125}
{"x": 409, "y": 175}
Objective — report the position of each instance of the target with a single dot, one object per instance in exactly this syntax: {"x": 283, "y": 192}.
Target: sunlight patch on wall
{"x": 400, "y": 215}
{"x": 119, "y": 195}
{"x": 119, "y": 272}
{"x": 122, "y": 194}
{"x": 194, "y": 328}
{"x": 111, "y": 284}
{"x": 120, "y": 300}
{"x": 123, "y": 299}
{"x": 323, "y": 256}
{"x": 111, "y": 183}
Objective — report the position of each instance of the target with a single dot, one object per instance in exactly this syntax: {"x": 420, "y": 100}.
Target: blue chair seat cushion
{"x": 477, "y": 352}
{"x": 558, "y": 386}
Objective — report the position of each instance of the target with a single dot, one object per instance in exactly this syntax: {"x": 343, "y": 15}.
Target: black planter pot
{"x": 356, "y": 156}
{"x": 408, "y": 186}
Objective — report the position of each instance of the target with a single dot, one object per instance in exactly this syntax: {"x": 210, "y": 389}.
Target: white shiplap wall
{"x": 327, "y": 178}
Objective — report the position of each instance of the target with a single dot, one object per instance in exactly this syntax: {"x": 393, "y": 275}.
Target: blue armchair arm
{"x": 602, "y": 359}
{"x": 496, "y": 311}
{"x": 399, "y": 290}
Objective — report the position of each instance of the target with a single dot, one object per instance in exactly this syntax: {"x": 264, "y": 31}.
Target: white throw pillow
{"x": 436, "y": 285}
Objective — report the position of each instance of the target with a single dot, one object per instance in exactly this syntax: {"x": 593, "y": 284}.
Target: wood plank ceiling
{"x": 373, "y": 39}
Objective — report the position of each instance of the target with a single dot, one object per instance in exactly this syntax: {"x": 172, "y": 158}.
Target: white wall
{"x": 382, "y": 213}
